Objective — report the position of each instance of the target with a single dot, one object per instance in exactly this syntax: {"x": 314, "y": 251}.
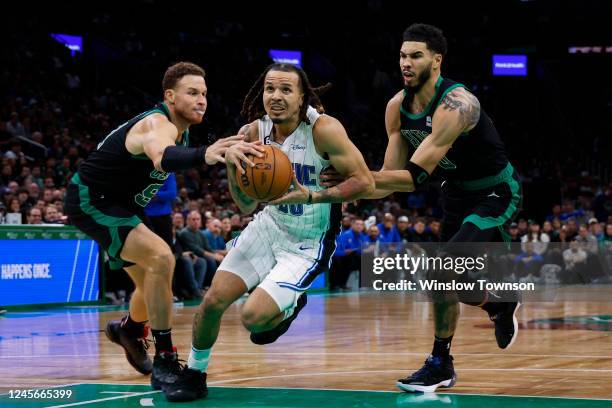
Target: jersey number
{"x": 293, "y": 209}
{"x": 142, "y": 199}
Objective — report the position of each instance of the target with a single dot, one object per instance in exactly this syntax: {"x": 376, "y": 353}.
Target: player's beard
{"x": 421, "y": 79}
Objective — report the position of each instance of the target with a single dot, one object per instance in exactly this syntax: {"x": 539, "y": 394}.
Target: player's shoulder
{"x": 326, "y": 124}
{"x": 396, "y": 101}
{"x": 155, "y": 122}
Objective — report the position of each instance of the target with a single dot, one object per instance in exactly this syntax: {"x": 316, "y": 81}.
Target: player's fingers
{"x": 251, "y": 150}
{"x": 238, "y": 164}
{"x": 246, "y": 160}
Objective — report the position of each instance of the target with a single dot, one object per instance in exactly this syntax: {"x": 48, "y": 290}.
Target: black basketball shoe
{"x": 189, "y": 385}
{"x": 166, "y": 369}
{"x": 503, "y": 314}
{"x": 270, "y": 336}
{"x": 135, "y": 347}
{"x": 436, "y": 372}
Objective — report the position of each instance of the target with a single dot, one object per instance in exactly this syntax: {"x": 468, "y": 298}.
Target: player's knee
{"x": 214, "y": 302}
{"x": 162, "y": 263}
{"x": 253, "y": 319}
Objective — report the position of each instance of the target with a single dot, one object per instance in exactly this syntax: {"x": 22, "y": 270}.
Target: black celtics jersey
{"x": 126, "y": 179}
{"x": 474, "y": 154}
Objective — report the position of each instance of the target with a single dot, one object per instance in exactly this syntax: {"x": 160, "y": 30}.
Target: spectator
{"x": 528, "y": 262}
{"x": 403, "y": 227}
{"x": 14, "y": 126}
{"x": 51, "y": 215}
{"x": 190, "y": 270}
{"x": 347, "y": 257}
{"x": 434, "y": 229}
{"x": 575, "y": 259}
{"x": 34, "y": 216}
{"x": 539, "y": 239}
{"x": 226, "y": 229}
{"x": 193, "y": 240}
{"x": 387, "y": 229}
{"x": 418, "y": 232}
{"x": 213, "y": 236}
{"x": 587, "y": 241}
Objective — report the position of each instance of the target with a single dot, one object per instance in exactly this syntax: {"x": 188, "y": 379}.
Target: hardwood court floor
{"x": 355, "y": 341}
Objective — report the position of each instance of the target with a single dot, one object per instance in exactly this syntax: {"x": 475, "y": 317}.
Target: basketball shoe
{"x": 436, "y": 372}
{"x": 135, "y": 347}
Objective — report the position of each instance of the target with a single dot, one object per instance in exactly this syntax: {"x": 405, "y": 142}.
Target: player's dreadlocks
{"x": 253, "y": 108}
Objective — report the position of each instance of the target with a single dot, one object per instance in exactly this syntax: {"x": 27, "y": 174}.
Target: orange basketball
{"x": 270, "y": 178}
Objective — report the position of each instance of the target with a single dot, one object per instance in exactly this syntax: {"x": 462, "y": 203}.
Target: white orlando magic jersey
{"x": 303, "y": 221}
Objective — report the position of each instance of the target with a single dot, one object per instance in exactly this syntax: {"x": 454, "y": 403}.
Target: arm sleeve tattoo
{"x": 467, "y": 105}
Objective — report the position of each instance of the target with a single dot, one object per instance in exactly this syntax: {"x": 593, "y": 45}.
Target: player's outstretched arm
{"x": 158, "y": 141}
{"x": 458, "y": 112}
{"x": 234, "y": 155}
{"x": 330, "y": 137}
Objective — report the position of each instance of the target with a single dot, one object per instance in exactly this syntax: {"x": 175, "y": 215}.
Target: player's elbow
{"x": 366, "y": 185}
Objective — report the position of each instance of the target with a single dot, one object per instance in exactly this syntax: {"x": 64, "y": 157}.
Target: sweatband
{"x": 419, "y": 174}
{"x": 182, "y": 158}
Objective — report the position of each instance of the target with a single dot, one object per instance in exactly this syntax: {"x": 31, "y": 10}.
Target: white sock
{"x": 198, "y": 359}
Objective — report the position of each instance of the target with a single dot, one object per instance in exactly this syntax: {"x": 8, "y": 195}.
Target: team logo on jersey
{"x": 428, "y": 121}
{"x": 415, "y": 137}
{"x": 297, "y": 147}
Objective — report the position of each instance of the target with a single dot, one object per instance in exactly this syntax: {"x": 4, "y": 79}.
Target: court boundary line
{"x": 214, "y": 384}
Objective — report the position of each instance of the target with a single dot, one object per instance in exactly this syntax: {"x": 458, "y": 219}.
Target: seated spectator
{"x": 387, "y": 229}
{"x": 587, "y": 241}
{"x": 528, "y": 263}
{"x": 34, "y": 216}
{"x": 434, "y": 230}
{"x": 418, "y": 232}
{"x": 347, "y": 257}
{"x": 190, "y": 270}
{"x": 51, "y": 215}
{"x": 213, "y": 235}
{"x": 226, "y": 229}
{"x": 538, "y": 238}
{"x": 403, "y": 227}
{"x": 575, "y": 259}
{"x": 193, "y": 240}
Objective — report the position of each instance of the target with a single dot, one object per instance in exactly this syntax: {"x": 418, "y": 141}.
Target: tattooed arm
{"x": 246, "y": 204}
{"x": 458, "y": 112}
{"x": 330, "y": 138}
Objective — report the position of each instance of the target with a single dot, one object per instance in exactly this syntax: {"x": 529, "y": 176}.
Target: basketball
{"x": 269, "y": 178}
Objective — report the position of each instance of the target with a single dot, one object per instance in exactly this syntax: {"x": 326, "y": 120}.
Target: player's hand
{"x": 239, "y": 151}
{"x": 215, "y": 152}
{"x": 330, "y": 177}
{"x": 299, "y": 195}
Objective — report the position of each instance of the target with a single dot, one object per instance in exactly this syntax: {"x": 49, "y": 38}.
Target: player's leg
{"x": 248, "y": 258}
{"x": 131, "y": 331}
{"x": 147, "y": 250}
{"x": 278, "y": 300}
{"x": 438, "y": 370}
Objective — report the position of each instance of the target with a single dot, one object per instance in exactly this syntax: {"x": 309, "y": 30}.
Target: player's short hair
{"x": 430, "y": 35}
{"x": 177, "y": 71}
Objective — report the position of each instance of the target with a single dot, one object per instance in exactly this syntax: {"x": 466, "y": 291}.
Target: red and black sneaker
{"x": 135, "y": 347}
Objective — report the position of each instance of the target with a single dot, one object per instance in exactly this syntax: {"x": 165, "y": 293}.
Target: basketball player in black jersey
{"x": 106, "y": 200}
{"x": 435, "y": 123}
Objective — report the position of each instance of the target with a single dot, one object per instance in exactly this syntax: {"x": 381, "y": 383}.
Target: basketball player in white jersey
{"x": 285, "y": 247}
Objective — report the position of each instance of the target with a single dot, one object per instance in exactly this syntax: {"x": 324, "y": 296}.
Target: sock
{"x": 198, "y": 359}
{"x": 442, "y": 347}
{"x": 163, "y": 340}
{"x": 137, "y": 329}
